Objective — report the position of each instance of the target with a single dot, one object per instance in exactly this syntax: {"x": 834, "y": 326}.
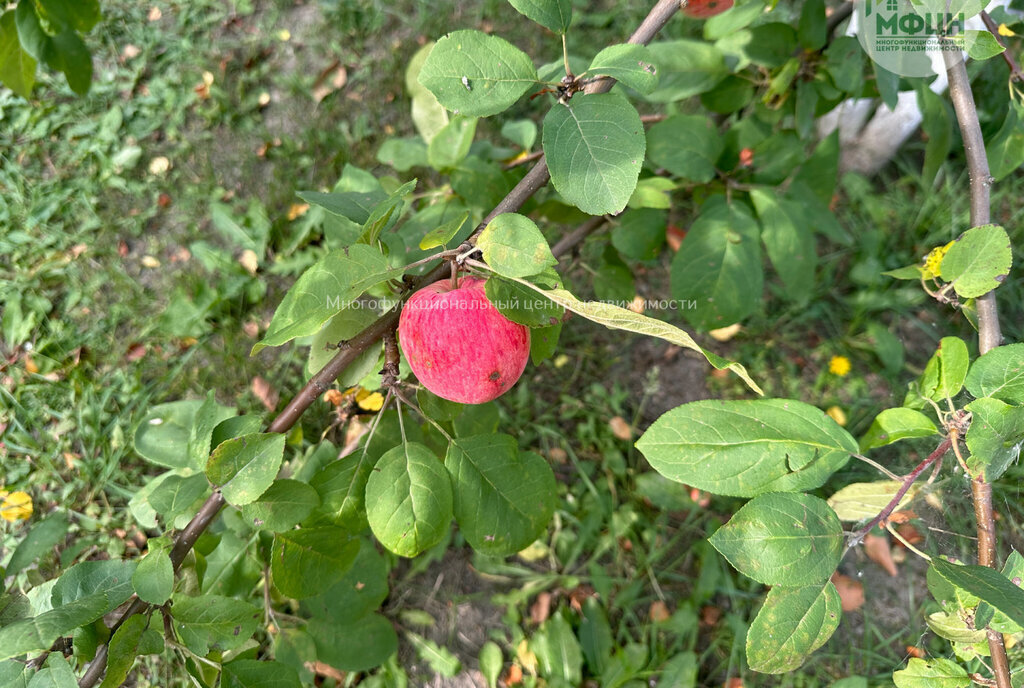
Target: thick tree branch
{"x": 989, "y": 335}
{"x": 534, "y": 180}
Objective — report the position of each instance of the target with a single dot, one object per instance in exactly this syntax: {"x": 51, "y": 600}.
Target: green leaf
{"x": 352, "y": 205}
{"x": 232, "y": 568}
{"x": 994, "y": 438}
{"x": 520, "y": 304}
{"x": 860, "y": 501}
{"x": 640, "y": 234}
{"x": 895, "y": 424}
{"x": 42, "y": 537}
{"x": 558, "y": 651}
{"x": 349, "y": 322}
{"x": 153, "y": 579}
{"x": 686, "y": 145}
{"x": 342, "y": 486}
{"x": 13, "y": 607}
{"x": 1006, "y": 149}
{"x": 403, "y": 154}
{"x": 595, "y": 635}
{"x": 409, "y": 500}
{"x": 987, "y": 584}
{"x": 451, "y": 144}
{"x": 477, "y": 75}
{"x": 938, "y": 125}
{"x": 628, "y": 63}
{"x": 325, "y": 289}
{"x": 17, "y": 67}
{"x": 594, "y": 146}
{"x": 80, "y": 15}
{"x": 213, "y": 622}
{"x": 386, "y": 213}
{"x": 252, "y": 673}
{"x": 244, "y": 468}
{"x": 123, "y": 650}
{"x": 812, "y": 28}
{"x": 729, "y": 95}
{"x": 440, "y": 236}
{"x": 1013, "y": 570}
{"x": 435, "y": 407}
{"x": 981, "y": 45}
{"x": 175, "y": 495}
{"x": 978, "y": 262}
{"x": 718, "y": 266}
{"x": 999, "y": 374}
{"x": 945, "y": 372}
{"x": 652, "y": 192}
{"x": 307, "y": 561}
{"x": 491, "y": 663}
{"x": 503, "y": 498}
{"x": 954, "y": 628}
{"x": 56, "y": 673}
{"x": 555, "y": 15}
{"x": 544, "y": 342}
{"x": 793, "y": 623}
{"x": 285, "y": 504}
{"x": 936, "y": 672}
{"x": 513, "y": 246}
{"x": 231, "y": 428}
{"x": 616, "y": 318}
{"x": 844, "y": 59}
{"x": 165, "y": 432}
{"x": 686, "y": 68}
{"x": 439, "y": 659}
{"x": 360, "y": 591}
{"x": 354, "y": 647}
{"x": 745, "y": 448}
{"x": 84, "y": 593}
{"x": 428, "y": 115}
{"x": 783, "y": 538}
{"x": 788, "y": 241}
{"x": 522, "y": 132}
{"x": 207, "y": 417}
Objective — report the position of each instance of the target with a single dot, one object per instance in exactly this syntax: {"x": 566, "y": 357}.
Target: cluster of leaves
{"x": 47, "y": 32}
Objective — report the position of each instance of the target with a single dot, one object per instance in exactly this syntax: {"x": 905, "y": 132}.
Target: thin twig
{"x": 990, "y": 24}
{"x": 908, "y": 481}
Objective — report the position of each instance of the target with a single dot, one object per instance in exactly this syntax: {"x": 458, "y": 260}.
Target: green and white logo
{"x": 910, "y": 37}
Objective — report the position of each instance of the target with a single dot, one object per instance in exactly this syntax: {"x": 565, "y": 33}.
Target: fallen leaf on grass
{"x": 329, "y": 81}
{"x": 851, "y": 592}
{"x": 620, "y": 428}
{"x": 155, "y": 13}
{"x": 540, "y": 610}
{"x": 659, "y": 612}
{"x": 250, "y": 261}
{"x": 878, "y": 550}
{"x": 514, "y": 677}
{"x": 268, "y": 396}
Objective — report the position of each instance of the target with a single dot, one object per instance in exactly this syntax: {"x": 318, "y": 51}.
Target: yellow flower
{"x": 15, "y": 506}
{"x": 839, "y": 365}
{"x": 837, "y": 414}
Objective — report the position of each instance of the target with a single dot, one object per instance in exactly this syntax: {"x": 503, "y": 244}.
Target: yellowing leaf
{"x": 1004, "y": 30}
{"x": 861, "y": 501}
{"x": 369, "y": 401}
{"x": 724, "y": 334}
{"x": 15, "y": 506}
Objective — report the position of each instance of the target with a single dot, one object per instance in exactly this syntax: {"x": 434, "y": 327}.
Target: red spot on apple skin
{"x": 458, "y": 345}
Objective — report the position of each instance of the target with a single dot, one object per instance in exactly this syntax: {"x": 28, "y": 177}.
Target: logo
{"x": 912, "y": 37}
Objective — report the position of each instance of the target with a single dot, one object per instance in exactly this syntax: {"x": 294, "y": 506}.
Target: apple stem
{"x": 455, "y": 273}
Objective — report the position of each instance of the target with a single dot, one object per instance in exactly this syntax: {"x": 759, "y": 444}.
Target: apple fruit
{"x": 702, "y": 9}
{"x": 459, "y": 346}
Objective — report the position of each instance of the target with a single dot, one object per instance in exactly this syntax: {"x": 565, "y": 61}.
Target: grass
{"x": 122, "y": 287}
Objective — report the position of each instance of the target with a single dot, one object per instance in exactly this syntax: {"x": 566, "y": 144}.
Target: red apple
{"x": 459, "y": 345}
{"x": 702, "y": 9}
